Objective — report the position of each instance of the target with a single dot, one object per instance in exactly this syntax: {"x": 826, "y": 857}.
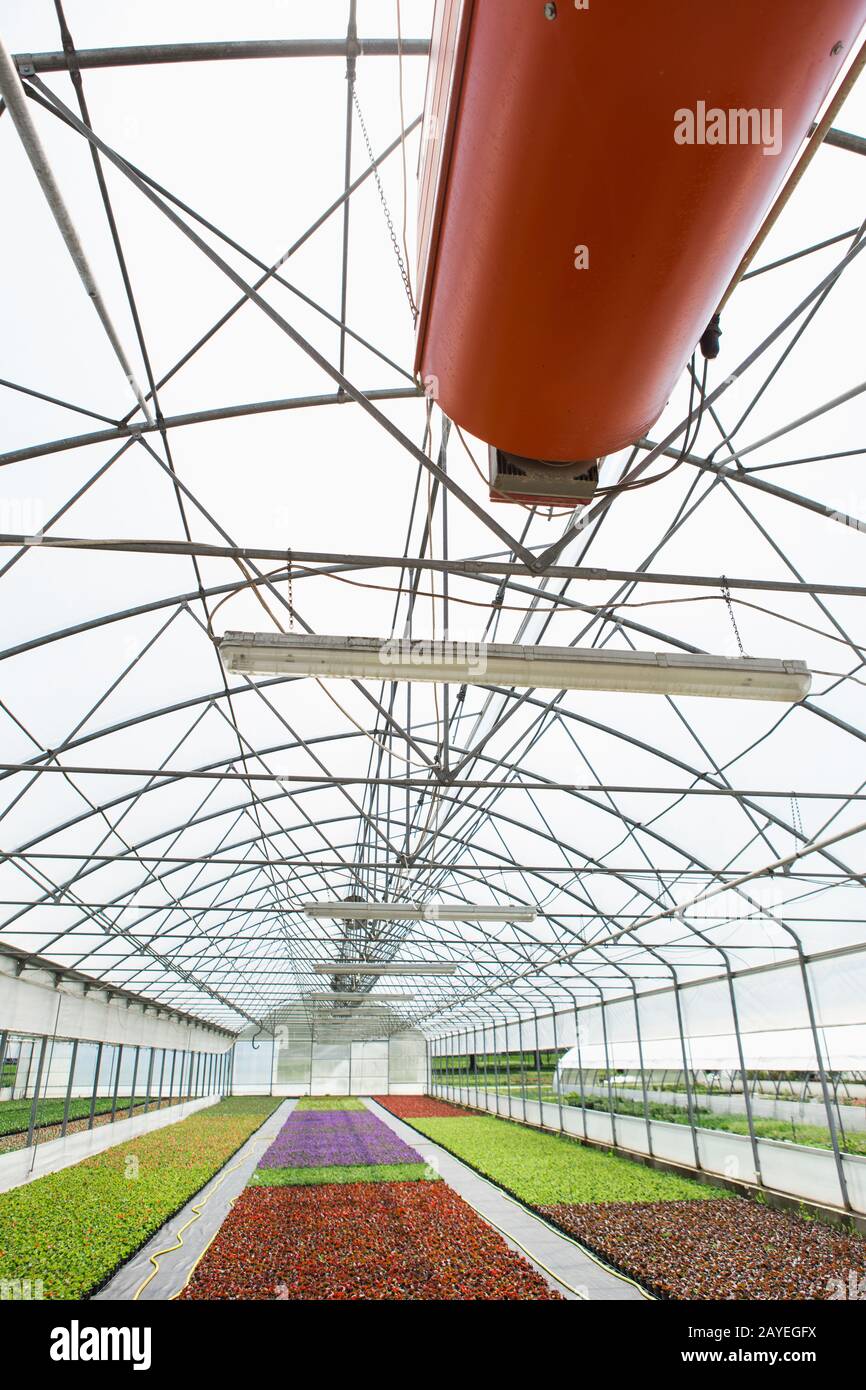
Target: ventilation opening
{"x": 517, "y": 479}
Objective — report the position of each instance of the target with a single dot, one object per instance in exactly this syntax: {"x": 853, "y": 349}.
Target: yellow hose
{"x": 197, "y": 1209}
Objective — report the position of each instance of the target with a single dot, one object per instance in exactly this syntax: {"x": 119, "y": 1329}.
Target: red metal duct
{"x": 591, "y": 177}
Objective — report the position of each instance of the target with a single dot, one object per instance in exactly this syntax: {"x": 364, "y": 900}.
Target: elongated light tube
{"x": 419, "y": 912}
{"x": 373, "y": 967}
{"x": 543, "y": 668}
{"x": 334, "y": 997}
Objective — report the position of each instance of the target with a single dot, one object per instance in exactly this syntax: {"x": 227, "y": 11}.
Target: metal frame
{"x": 217, "y": 934}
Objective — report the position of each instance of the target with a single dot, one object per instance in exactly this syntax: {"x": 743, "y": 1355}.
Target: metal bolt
{"x": 550, "y": 11}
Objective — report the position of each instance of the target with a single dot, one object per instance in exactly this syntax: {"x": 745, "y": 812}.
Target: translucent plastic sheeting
{"x": 292, "y": 1061}
{"x": 772, "y": 1014}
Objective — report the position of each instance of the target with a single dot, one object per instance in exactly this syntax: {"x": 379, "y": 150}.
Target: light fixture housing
{"x": 372, "y": 967}
{"x": 496, "y": 663}
{"x": 335, "y": 997}
{"x": 418, "y": 912}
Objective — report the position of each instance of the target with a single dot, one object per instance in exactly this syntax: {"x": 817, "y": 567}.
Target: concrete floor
{"x": 576, "y": 1269}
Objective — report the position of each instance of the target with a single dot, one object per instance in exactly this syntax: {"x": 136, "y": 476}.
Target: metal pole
{"x": 134, "y": 1081}
{"x": 558, "y": 1067}
{"x": 73, "y": 1059}
{"x": 646, "y": 1113}
{"x": 34, "y": 1108}
{"x": 753, "y": 1138}
{"x": 825, "y": 1089}
{"x": 686, "y": 1079}
{"x": 171, "y": 1078}
{"x": 138, "y": 55}
{"x": 149, "y": 1081}
{"x": 99, "y": 1047}
{"x": 522, "y": 1065}
{"x": 32, "y": 1049}
{"x": 16, "y": 102}
{"x": 118, "y": 1064}
{"x": 607, "y": 1073}
{"x": 538, "y": 1068}
{"x": 4, "y": 1043}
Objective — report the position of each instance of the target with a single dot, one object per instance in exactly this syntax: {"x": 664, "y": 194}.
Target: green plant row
{"x": 329, "y": 1103}
{"x": 368, "y": 1172}
{"x": 545, "y": 1169}
{"x": 790, "y": 1131}
{"x": 72, "y": 1229}
{"x": 816, "y": 1136}
{"x": 15, "y": 1114}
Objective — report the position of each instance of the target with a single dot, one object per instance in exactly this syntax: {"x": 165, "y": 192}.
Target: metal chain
{"x": 289, "y": 587}
{"x": 726, "y": 595}
{"x": 404, "y": 274}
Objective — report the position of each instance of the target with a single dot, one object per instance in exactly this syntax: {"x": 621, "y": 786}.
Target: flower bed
{"x": 15, "y": 1114}
{"x": 728, "y": 1249}
{"x": 328, "y": 1103}
{"x": 44, "y": 1133}
{"x": 542, "y": 1169}
{"x": 421, "y": 1108}
{"x": 328, "y": 1139}
{"x": 73, "y": 1228}
{"x": 374, "y": 1172}
{"x": 360, "y": 1241}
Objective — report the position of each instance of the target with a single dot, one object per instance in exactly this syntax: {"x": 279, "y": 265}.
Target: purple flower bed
{"x": 324, "y": 1139}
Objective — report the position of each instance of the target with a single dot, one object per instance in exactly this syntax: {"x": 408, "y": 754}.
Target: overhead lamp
{"x": 544, "y": 668}
{"x": 369, "y": 967}
{"x": 358, "y": 998}
{"x": 327, "y": 1007}
{"x": 419, "y": 912}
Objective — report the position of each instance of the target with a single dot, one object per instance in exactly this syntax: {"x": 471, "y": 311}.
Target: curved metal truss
{"x": 161, "y": 825}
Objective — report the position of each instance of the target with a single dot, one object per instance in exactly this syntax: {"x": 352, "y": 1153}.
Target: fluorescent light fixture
{"x": 344, "y": 1009}
{"x": 372, "y": 968}
{"x": 419, "y": 912}
{"x": 348, "y": 998}
{"x": 544, "y": 668}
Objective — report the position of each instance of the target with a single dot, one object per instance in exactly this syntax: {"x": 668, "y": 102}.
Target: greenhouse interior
{"x": 485, "y": 921}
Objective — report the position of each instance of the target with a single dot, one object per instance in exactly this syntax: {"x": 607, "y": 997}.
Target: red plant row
{"x": 720, "y": 1250}
{"x": 407, "y": 1240}
{"x": 421, "y": 1108}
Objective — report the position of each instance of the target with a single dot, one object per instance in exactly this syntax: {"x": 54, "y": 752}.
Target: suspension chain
{"x": 726, "y": 595}
{"x": 404, "y": 274}
{"x": 290, "y": 595}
